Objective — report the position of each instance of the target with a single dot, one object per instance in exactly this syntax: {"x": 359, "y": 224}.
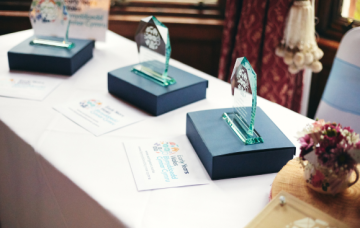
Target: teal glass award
{"x": 50, "y": 18}
{"x": 243, "y": 86}
{"x": 153, "y": 44}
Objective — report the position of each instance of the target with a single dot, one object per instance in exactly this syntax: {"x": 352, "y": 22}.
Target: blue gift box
{"x": 224, "y": 155}
{"x": 49, "y": 59}
{"x": 153, "y": 98}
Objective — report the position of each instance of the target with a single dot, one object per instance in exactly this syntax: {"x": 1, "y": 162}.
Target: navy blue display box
{"x": 224, "y": 155}
{"x": 49, "y": 59}
{"x": 153, "y": 98}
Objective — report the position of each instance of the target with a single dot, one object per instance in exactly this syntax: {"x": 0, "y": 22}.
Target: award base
{"x": 152, "y": 98}
{"x": 50, "y": 59}
{"x": 238, "y": 126}
{"x": 225, "y": 156}
{"x": 52, "y": 43}
{"x": 153, "y": 76}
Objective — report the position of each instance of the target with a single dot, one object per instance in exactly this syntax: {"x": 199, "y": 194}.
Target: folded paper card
{"x": 164, "y": 163}
{"x": 100, "y": 114}
{"x": 88, "y": 19}
{"x": 27, "y": 87}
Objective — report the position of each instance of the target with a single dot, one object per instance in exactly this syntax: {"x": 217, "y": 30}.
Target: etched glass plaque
{"x": 287, "y": 211}
{"x": 244, "y": 87}
{"x": 50, "y": 18}
{"x": 153, "y": 43}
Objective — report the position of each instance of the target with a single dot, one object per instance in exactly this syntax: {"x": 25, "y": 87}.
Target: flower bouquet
{"x": 332, "y": 154}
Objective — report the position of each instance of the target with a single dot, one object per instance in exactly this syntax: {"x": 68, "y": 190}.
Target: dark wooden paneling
{"x": 13, "y": 22}
{"x": 195, "y": 42}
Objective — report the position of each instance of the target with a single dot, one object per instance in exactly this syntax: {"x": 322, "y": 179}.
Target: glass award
{"x": 50, "y": 18}
{"x": 153, "y": 44}
{"x": 243, "y": 86}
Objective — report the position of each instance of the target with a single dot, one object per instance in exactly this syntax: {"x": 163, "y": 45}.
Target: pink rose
{"x": 307, "y": 144}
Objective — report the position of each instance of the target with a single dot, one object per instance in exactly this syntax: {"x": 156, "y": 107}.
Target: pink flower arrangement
{"x": 332, "y": 150}
{"x": 317, "y": 179}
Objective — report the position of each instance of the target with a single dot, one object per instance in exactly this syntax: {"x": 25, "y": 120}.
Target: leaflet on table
{"x": 100, "y": 114}
{"x": 27, "y": 87}
{"x": 165, "y": 163}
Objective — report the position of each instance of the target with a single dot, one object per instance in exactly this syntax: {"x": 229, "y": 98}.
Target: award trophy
{"x": 50, "y": 17}
{"x": 243, "y": 86}
{"x": 147, "y": 84}
{"x": 153, "y": 44}
{"x": 226, "y": 140}
{"x": 50, "y": 44}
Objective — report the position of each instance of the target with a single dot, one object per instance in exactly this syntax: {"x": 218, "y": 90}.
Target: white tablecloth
{"x": 54, "y": 173}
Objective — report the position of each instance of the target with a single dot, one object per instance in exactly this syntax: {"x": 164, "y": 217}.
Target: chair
{"x": 340, "y": 101}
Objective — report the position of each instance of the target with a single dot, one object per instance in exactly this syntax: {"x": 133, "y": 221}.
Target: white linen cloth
{"x": 53, "y": 173}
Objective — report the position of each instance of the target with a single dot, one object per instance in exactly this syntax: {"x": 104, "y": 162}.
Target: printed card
{"x": 27, "y": 87}
{"x": 100, "y": 114}
{"x": 165, "y": 163}
{"x": 88, "y": 18}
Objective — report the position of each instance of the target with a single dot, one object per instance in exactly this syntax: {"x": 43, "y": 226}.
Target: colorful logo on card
{"x": 92, "y": 103}
{"x": 166, "y": 148}
{"x": 47, "y": 10}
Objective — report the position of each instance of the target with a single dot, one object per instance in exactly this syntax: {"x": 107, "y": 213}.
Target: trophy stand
{"x": 147, "y": 84}
{"x": 241, "y": 151}
{"x": 50, "y": 50}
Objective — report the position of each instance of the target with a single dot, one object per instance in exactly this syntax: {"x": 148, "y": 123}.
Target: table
{"x": 54, "y": 173}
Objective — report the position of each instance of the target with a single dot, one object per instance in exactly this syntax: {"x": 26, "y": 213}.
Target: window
{"x": 212, "y": 9}
{"x": 336, "y": 17}
{"x": 351, "y": 9}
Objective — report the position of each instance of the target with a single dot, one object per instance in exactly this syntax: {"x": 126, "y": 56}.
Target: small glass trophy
{"x": 243, "y": 86}
{"x": 50, "y": 18}
{"x": 153, "y": 43}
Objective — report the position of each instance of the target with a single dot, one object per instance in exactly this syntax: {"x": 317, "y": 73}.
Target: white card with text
{"x": 27, "y": 87}
{"x": 100, "y": 114}
{"x": 88, "y": 19}
{"x": 165, "y": 163}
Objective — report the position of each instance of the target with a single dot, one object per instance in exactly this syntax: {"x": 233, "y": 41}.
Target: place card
{"x": 88, "y": 19}
{"x": 165, "y": 163}
{"x": 100, "y": 114}
{"x": 27, "y": 87}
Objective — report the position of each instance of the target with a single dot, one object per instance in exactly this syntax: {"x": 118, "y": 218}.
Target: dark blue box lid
{"x": 183, "y": 80}
{"x": 50, "y": 59}
{"x": 220, "y": 139}
{"x": 27, "y": 49}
